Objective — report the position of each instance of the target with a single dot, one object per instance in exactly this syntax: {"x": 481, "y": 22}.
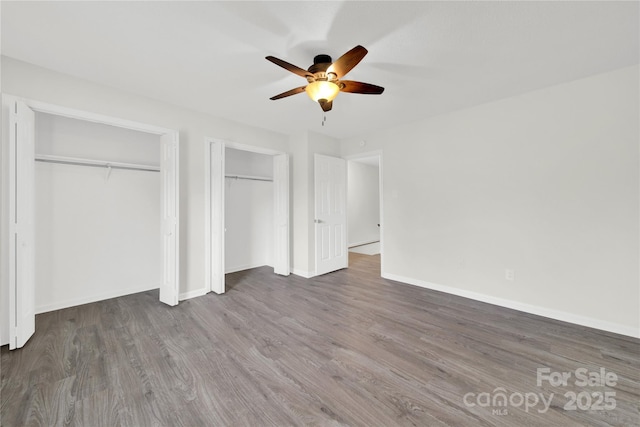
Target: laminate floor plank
{"x": 343, "y": 349}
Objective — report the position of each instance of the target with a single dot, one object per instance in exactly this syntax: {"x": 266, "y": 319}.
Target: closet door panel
{"x": 281, "y": 256}
{"x": 21, "y": 253}
{"x": 217, "y": 217}
{"x": 169, "y": 287}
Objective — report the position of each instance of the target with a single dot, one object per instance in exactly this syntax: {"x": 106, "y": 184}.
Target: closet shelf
{"x": 250, "y": 177}
{"x": 49, "y": 158}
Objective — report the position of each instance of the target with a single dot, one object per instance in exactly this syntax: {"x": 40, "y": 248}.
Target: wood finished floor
{"x": 348, "y": 348}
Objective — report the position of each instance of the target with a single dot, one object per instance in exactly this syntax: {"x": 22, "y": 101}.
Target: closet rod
{"x": 252, "y": 178}
{"x": 95, "y": 163}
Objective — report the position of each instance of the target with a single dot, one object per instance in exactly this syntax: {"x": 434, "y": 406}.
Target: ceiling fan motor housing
{"x": 322, "y": 59}
{"x": 319, "y": 69}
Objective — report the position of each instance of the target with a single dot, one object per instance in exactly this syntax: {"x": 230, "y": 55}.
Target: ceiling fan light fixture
{"x": 324, "y": 78}
{"x": 322, "y": 89}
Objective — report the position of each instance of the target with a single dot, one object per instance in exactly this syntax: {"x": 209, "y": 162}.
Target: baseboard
{"x": 301, "y": 273}
{"x": 93, "y": 298}
{"x": 72, "y": 303}
{"x": 192, "y": 294}
{"x": 527, "y": 308}
{"x": 244, "y": 267}
{"x": 366, "y": 242}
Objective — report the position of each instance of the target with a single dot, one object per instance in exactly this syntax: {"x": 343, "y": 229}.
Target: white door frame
{"x": 375, "y": 153}
{"x": 169, "y": 170}
{"x": 214, "y": 218}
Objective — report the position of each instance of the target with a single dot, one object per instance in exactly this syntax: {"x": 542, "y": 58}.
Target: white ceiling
{"x": 432, "y": 57}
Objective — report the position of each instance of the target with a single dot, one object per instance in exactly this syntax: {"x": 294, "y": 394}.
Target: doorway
{"x": 364, "y": 199}
{"x": 346, "y": 222}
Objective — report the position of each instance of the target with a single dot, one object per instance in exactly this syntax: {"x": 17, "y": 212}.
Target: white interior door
{"x": 170, "y": 285}
{"x": 21, "y": 253}
{"x": 281, "y": 256}
{"x": 330, "y": 182}
{"x": 217, "y": 217}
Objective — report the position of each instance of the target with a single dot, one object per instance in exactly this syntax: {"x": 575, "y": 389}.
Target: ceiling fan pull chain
{"x": 324, "y": 119}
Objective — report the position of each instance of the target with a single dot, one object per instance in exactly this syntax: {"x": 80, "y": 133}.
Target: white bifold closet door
{"x": 21, "y": 229}
{"x": 169, "y": 196}
{"x": 281, "y": 255}
{"x": 217, "y": 217}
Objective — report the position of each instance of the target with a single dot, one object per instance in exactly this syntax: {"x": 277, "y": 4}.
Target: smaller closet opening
{"x": 249, "y": 208}
{"x": 98, "y": 212}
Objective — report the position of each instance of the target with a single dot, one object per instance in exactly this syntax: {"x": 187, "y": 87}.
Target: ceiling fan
{"x": 324, "y": 78}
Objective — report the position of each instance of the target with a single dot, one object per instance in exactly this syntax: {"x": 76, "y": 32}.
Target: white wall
{"x": 95, "y": 238}
{"x": 546, "y": 184}
{"x": 28, "y": 81}
{"x": 64, "y": 136}
{"x": 243, "y": 162}
{"x": 248, "y": 211}
{"x": 363, "y": 201}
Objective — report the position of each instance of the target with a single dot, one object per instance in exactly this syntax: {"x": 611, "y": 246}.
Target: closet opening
{"x": 70, "y": 200}
{"x": 248, "y": 238}
{"x": 247, "y": 210}
{"x": 97, "y": 212}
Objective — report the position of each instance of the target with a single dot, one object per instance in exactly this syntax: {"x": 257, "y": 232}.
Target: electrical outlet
{"x": 509, "y": 274}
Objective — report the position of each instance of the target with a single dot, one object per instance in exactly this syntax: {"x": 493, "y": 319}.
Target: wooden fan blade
{"x": 290, "y": 67}
{"x": 326, "y": 105}
{"x": 288, "y": 93}
{"x": 359, "y": 87}
{"x": 346, "y": 62}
